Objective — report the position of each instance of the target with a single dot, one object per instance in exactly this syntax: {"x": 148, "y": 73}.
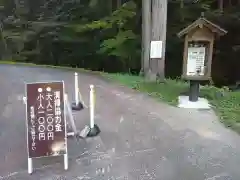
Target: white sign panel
{"x": 156, "y": 49}
{"x": 195, "y": 61}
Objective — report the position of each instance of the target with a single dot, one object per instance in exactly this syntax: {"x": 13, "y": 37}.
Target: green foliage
{"x": 93, "y": 3}
{"x": 118, "y": 46}
{"x": 118, "y": 17}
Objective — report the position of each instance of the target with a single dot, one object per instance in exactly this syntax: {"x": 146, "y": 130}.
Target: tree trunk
{"x": 17, "y": 4}
{"x": 159, "y": 23}
{"x": 230, "y": 3}
{"x": 146, "y": 34}
{"x": 119, "y": 3}
{"x": 181, "y": 10}
{"x": 5, "y": 53}
{"x": 220, "y": 5}
{"x": 110, "y": 7}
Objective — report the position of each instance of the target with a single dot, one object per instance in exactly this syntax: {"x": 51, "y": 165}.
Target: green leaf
{"x": 93, "y": 3}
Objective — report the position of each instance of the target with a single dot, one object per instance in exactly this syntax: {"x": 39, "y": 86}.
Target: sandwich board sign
{"x": 46, "y": 121}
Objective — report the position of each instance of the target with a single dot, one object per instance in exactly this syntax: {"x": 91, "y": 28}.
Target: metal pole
{"x": 92, "y": 104}
{"x": 76, "y": 89}
{"x": 69, "y": 112}
{"x": 194, "y": 91}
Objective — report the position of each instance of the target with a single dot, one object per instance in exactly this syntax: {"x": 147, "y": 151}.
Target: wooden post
{"x": 146, "y": 34}
{"x": 159, "y": 28}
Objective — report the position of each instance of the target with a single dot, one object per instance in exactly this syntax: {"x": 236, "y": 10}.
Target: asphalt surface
{"x": 141, "y": 138}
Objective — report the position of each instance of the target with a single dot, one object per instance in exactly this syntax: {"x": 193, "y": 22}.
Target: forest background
{"x": 105, "y": 35}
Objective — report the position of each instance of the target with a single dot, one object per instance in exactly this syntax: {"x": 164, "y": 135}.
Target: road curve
{"x": 141, "y": 138}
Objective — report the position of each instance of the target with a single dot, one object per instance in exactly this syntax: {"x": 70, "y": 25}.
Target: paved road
{"x": 141, "y": 139}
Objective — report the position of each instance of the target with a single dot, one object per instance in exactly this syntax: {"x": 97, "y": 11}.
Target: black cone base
{"x": 94, "y": 131}
{"x": 77, "y": 107}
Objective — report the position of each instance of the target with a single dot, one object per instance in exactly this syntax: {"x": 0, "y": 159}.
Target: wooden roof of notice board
{"x": 203, "y": 22}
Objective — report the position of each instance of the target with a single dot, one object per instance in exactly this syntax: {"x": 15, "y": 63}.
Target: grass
{"x": 225, "y": 103}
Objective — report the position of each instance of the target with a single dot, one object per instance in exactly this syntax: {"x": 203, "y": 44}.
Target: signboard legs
{"x": 30, "y": 166}
{"x": 66, "y": 160}
{"x": 30, "y": 161}
{"x": 65, "y": 156}
{"x": 194, "y": 91}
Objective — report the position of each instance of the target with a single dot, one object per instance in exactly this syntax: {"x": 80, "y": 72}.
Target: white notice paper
{"x": 156, "y": 49}
{"x": 195, "y": 61}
